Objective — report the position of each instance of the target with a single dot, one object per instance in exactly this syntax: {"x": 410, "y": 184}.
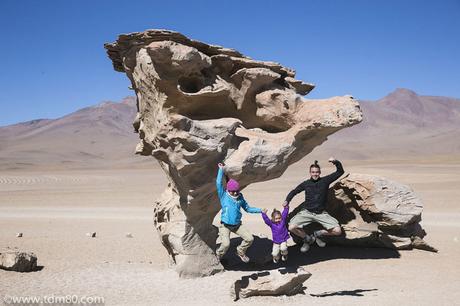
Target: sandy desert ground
{"x": 55, "y": 208}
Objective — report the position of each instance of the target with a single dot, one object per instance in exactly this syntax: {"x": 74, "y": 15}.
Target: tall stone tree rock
{"x": 201, "y": 104}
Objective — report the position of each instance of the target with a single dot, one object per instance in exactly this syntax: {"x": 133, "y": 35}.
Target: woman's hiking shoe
{"x": 243, "y": 257}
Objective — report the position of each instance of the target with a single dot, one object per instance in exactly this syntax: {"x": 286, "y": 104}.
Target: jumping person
{"x": 232, "y": 200}
{"x": 313, "y": 209}
{"x": 280, "y": 233}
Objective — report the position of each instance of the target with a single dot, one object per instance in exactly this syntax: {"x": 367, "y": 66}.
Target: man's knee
{"x": 336, "y": 231}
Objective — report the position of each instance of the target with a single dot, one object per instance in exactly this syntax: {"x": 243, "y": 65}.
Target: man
{"x": 313, "y": 209}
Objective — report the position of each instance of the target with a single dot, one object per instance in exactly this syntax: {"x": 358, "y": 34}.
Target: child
{"x": 231, "y": 201}
{"x": 279, "y": 232}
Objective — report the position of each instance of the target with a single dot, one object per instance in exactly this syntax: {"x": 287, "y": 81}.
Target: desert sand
{"x": 54, "y": 197}
{"x": 55, "y": 208}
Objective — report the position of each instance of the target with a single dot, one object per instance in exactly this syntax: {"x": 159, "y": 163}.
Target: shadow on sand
{"x": 261, "y": 259}
{"x": 356, "y": 292}
{"x": 35, "y": 269}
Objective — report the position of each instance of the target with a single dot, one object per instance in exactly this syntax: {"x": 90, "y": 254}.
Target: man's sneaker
{"x": 243, "y": 257}
{"x": 320, "y": 242}
{"x": 284, "y": 258}
{"x": 305, "y": 247}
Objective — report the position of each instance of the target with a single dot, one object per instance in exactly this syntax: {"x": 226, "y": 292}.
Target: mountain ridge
{"x": 400, "y": 125}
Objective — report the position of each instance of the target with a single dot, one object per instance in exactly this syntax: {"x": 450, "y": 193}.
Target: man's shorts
{"x": 305, "y": 217}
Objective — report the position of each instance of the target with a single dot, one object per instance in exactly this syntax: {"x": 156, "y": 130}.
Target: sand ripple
{"x": 26, "y": 180}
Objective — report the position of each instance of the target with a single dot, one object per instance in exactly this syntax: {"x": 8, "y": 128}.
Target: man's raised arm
{"x": 338, "y": 172}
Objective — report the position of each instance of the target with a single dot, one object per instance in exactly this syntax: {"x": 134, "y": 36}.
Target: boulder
{"x": 201, "y": 104}
{"x": 277, "y": 282}
{"x": 18, "y": 261}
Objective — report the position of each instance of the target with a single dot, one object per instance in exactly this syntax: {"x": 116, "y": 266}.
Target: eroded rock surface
{"x": 200, "y": 104}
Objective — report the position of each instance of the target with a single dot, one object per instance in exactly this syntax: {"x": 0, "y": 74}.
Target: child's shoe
{"x": 276, "y": 259}
{"x": 284, "y": 258}
{"x": 243, "y": 257}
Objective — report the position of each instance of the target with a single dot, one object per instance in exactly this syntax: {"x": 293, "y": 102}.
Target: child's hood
{"x": 237, "y": 198}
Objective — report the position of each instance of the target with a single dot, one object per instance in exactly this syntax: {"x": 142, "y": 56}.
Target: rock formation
{"x": 91, "y": 234}
{"x": 201, "y": 104}
{"x": 376, "y": 212}
{"x": 18, "y": 261}
{"x": 278, "y": 282}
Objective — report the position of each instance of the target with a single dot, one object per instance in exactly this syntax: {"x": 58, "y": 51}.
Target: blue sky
{"x": 53, "y": 61}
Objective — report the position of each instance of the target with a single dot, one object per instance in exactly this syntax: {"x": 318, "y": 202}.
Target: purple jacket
{"x": 279, "y": 230}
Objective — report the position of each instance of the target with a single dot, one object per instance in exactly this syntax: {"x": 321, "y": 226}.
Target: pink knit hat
{"x": 233, "y": 185}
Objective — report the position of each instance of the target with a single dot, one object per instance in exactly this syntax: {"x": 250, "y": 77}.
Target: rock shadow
{"x": 261, "y": 259}
{"x": 37, "y": 268}
{"x": 34, "y": 269}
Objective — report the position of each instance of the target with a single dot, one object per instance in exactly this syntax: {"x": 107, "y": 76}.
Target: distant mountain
{"x": 100, "y": 135}
{"x": 402, "y": 125}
